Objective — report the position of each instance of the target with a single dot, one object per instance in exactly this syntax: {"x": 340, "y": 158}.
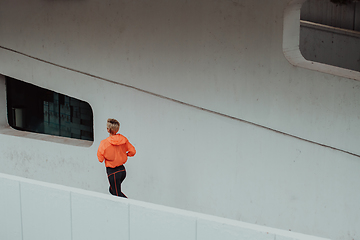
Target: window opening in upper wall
{"x": 330, "y": 32}
{"x": 39, "y": 110}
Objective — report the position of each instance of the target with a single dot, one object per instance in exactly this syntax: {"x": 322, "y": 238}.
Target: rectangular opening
{"x": 42, "y": 111}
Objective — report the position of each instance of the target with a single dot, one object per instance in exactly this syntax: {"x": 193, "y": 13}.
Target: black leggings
{"x": 116, "y": 176}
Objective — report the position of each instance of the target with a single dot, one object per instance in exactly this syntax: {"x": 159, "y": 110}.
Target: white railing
{"x": 31, "y": 209}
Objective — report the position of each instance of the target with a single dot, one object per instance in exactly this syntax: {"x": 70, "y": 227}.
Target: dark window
{"x": 39, "y": 110}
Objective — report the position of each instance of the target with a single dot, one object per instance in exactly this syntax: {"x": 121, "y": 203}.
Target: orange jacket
{"x": 115, "y": 150}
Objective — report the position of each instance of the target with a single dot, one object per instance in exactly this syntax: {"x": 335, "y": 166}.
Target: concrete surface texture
{"x": 222, "y": 122}
{"x": 37, "y": 210}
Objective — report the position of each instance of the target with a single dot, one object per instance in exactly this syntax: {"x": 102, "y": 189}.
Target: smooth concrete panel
{"x": 195, "y": 52}
{"x": 210, "y": 230}
{"x": 278, "y": 237}
{"x": 189, "y": 158}
{"x": 99, "y": 218}
{"x": 10, "y": 210}
{"x": 151, "y": 223}
{"x": 45, "y": 212}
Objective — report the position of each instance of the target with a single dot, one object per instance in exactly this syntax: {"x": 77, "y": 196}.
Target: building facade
{"x": 223, "y": 122}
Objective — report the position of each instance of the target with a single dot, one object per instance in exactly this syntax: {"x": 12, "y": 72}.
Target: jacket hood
{"x": 117, "y": 139}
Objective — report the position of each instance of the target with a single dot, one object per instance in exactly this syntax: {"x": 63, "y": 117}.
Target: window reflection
{"x": 35, "y": 109}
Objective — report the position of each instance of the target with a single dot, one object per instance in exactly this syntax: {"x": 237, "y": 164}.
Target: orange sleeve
{"x": 130, "y": 149}
{"x": 100, "y": 152}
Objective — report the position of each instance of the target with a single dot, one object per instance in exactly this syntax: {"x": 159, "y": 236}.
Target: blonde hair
{"x": 113, "y": 125}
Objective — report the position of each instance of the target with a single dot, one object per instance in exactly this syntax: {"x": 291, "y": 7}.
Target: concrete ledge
{"x": 37, "y": 210}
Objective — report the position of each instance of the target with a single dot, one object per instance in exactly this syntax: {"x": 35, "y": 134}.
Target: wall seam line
{"x": 183, "y": 103}
{"x": 196, "y": 229}
{"x": 129, "y": 222}
{"x": 21, "y": 213}
{"x": 71, "y": 217}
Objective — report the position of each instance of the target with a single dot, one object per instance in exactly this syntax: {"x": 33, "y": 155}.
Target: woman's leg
{"x": 116, "y": 176}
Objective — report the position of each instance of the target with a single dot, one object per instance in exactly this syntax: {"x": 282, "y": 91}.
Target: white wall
{"x": 223, "y": 56}
{"x": 38, "y": 210}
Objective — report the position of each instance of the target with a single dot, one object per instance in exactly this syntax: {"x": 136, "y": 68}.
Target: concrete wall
{"x": 222, "y": 122}
{"x": 37, "y": 210}
{"x": 330, "y": 45}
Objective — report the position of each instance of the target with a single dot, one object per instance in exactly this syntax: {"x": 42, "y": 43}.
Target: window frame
{"x": 291, "y": 45}
{"x": 6, "y": 129}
